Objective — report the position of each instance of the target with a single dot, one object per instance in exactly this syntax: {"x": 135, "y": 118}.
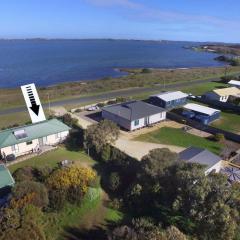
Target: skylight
{"x": 20, "y": 134}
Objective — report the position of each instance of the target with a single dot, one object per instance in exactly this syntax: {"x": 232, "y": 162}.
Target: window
{"x": 57, "y": 135}
{"x": 136, "y": 122}
{"x": 29, "y": 143}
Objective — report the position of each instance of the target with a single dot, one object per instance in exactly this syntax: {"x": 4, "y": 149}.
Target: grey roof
{"x": 169, "y": 96}
{"x": 133, "y": 110}
{"x": 199, "y": 155}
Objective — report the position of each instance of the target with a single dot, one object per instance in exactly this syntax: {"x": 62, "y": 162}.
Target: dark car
{"x": 10, "y": 157}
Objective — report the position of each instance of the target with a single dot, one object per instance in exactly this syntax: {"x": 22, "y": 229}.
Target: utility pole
{"x": 49, "y": 106}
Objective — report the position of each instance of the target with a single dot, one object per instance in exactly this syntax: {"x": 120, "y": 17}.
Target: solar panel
{"x": 20, "y": 134}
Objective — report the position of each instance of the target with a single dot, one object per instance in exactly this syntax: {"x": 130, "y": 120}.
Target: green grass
{"x": 178, "y": 137}
{"x": 51, "y": 159}
{"x": 229, "y": 122}
{"x": 113, "y": 215}
{"x": 203, "y": 88}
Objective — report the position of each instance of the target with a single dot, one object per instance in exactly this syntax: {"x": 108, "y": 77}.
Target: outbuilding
{"x": 6, "y": 179}
{"x": 221, "y": 94}
{"x": 200, "y": 113}
{"x": 32, "y": 138}
{"x": 212, "y": 162}
{"x": 134, "y": 115}
{"x": 234, "y": 83}
{"x": 169, "y": 100}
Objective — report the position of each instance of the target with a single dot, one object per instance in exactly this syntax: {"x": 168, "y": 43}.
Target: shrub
{"x": 57, "y": 199}
{"x": 63, "y": 179}
{"x": 75, "y": 194}
{"x": 29, "y": 192}
{"x": 146, "y": 70}
{"x": 219, "y": 137}
{"x": 114, "y": 181}
{"x": 24, "y": 174}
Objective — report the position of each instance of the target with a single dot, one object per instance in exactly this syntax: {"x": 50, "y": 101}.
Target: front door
{"x": 40, "y": 140}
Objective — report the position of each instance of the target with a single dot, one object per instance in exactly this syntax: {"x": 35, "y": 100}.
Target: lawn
{"x": 229, "y": 122}
{"x": 51, "y": 159}
{"x": 178, "y": 137}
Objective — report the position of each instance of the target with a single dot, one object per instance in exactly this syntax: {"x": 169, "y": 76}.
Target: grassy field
{"x": 179, "y": 138}
{"x": 13, "y": 97}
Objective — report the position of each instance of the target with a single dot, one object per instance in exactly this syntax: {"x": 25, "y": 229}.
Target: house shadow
{"x": 96, "y": 116}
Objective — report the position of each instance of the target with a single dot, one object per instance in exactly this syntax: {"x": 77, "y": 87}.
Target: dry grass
{"x": 13, "y": 97}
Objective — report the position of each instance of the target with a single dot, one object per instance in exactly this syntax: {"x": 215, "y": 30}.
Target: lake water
{"x": 56, "y": 61}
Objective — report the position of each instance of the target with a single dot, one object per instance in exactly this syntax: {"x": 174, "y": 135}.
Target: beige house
{"x": 32, "y": 138}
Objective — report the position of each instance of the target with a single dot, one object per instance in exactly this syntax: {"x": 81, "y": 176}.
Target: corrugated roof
{"x": 133, "y": 110}
{"x": 234, "y": 82}
{"x": 33, "y": 131}
{"x": 201, "y": 108}
{"x": 227, "y": 91}
{"x": 6, "y": 178}
{"x": 170, "y": 96}
{"x": 199, "y": 155}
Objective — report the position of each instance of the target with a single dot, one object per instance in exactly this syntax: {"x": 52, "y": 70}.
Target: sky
{"x": 190, "y": 20}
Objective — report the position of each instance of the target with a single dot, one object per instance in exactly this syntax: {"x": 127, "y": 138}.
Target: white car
{"x": 93, "y": 108}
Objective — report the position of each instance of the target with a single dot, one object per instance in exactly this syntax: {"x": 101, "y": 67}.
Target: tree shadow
{"x": 75, "y": 233}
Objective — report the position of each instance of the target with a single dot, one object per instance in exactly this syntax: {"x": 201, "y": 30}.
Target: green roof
{"x": 33, "y": 131}
{"x": 6, "y": 178}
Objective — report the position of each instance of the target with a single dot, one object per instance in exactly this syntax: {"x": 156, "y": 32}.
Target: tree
{"x": 98, "y": 136}
{"x": 106, "y": 153}
{"x": 29, "y": 192}
{"x": 114, "y": 181}
{"x": 157, "y": 161}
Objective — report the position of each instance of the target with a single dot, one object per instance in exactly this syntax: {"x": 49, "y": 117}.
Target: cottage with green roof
{"x": 32, "y": 138}
{"x": 6, "y": 179}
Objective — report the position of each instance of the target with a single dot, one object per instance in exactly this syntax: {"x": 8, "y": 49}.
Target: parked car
{"x": 10, "y": 157}
{"x": 93, "y": 108}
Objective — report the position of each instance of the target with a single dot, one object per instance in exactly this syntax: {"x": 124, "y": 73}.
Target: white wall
{"x": 24, "y": 148}
{"x": 217, "y": 167}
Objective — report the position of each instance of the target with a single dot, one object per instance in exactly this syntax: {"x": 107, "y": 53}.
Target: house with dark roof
{"x": 212, "y": 162}
{"x": 169, "y": 100}
{"x": 134, "y": 115}
{"x": 31, "y": 138}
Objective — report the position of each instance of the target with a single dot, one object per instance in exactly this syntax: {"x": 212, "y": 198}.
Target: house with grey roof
{"x": 134, "y": 115}
{"x": 32, "y": 138}
{"x": 202, "y": 156}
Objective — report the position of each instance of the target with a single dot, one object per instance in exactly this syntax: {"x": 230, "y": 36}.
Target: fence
{"x": 212, "y": 130}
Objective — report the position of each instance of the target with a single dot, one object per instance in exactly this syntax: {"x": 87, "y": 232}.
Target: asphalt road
{"x": 109, "y": 95}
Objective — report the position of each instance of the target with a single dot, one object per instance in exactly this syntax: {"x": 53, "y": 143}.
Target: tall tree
{"x": 100, "y": 135}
